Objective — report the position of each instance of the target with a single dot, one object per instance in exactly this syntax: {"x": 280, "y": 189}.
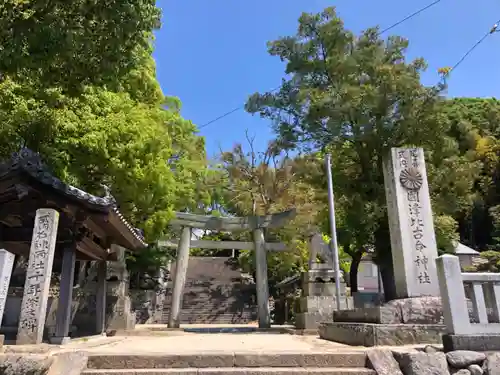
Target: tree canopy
{"x": 74, "y": 43}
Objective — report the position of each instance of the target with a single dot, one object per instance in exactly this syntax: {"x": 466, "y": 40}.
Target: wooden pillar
{"x": 100, "y": 302}
{"x": 180, "y": 277}
{"x": 38, "y": 274}
{"x": 261, "y": 275}
{"x": 63, "y": 317}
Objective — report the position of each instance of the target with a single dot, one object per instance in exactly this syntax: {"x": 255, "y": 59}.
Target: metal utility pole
{"x": 333, "y": 229}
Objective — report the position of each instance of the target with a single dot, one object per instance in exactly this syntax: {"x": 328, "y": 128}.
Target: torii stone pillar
{"x": 180, "y": 277}
{"x": 261, "y": 283}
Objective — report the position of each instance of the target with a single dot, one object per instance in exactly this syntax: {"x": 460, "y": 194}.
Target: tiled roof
{"x": 461, "y": 249}
{"x": 31, "y": 163}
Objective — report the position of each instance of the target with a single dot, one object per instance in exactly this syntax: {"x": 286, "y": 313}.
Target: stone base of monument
{"x": 314, "y": 310}
{"x": 310, "y": 320}
{"x": 369, "y": 334}
{"x": 477, "y": 343}
{"x": 399, "y": 322}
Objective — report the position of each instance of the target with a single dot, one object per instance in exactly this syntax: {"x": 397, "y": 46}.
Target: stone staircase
{"x": 346, "y": 363}
{"x": 214, "y": 294}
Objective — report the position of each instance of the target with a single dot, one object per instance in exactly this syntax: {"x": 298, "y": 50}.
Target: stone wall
{"x": 12, "y": 309}
{"x": 147, "y": 305}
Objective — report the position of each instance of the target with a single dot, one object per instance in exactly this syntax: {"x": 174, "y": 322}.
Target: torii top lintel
{"x": 232, "y": 223}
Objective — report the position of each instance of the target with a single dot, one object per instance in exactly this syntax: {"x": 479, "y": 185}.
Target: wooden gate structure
{"x": 256, "y": 224}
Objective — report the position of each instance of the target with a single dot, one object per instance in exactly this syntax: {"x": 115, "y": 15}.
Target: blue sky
{"x": 212, "y": 53}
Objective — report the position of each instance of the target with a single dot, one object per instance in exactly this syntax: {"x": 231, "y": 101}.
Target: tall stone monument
{"x": 413, "y": 241}
{"x": 6, "y": 264}
{"x": 38, "y": 275}
{"x": 416, "y": 316}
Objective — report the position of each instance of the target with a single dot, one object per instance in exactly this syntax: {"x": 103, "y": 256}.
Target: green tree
{"x": 355, "y": 97}
{"x": 71, "y": 44}
{"x": 265, "y": 182}
{"x": 150, "y": 157}
{"x": 474, "y": 127}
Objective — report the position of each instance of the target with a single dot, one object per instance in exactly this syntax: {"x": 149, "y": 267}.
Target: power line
{"x": 447, "y": 71}
{"x": 277, "y": 88}
{"x": 222, "y": 116}
{"x": 494, "y": 29}
{"x": 231, "y": 112}
{"x": 409, "y": 17}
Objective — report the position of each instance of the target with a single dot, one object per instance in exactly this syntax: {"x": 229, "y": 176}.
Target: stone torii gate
{"x": 256, "y": 224}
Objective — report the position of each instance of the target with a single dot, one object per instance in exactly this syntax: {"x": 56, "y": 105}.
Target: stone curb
{"x": 207, "y": 360}
{"x": 240, "y": 371}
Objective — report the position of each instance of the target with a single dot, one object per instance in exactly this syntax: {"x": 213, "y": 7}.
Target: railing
{"x": 483, "y": 292}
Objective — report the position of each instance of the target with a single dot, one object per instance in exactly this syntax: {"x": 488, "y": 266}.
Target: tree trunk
{"x": 353, "y": 271}
{"x": 384, "y": 258}
{"x": 387, "y": 274}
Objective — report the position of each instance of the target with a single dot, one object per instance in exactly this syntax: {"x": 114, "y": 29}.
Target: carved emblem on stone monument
{"x": 411, "y": 178}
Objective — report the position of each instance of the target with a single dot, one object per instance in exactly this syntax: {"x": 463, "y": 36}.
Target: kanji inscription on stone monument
{"x": 6, "y": 264}
{"x": 38, "y": 275}
{"x": 413, "y": 240}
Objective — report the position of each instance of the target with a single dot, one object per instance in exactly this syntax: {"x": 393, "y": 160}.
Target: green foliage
{"x": 491, "y": 262}
{"x": 149, "y": 259}
{"x": 446, "y": 233}
{"x": 213, "y": 236}
{"x": 264, "y": 182}
{"x": 70, "y": 44}
{"x": 473, "y": 127}
{"x": 148, "y": 156}
{"x": 348, "y": 91}
{"x": 279, "y": 265}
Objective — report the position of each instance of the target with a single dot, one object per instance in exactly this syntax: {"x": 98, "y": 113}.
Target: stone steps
{"x": 237, "y": 371}
{"x": 214, "y": 319}
{"x": 212, "y": 310}
{"x": 213, "y": 293}
{"x": 204, "y": 309}
{"x": 348, "y": 363}
{"x": 354, "y": 359}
